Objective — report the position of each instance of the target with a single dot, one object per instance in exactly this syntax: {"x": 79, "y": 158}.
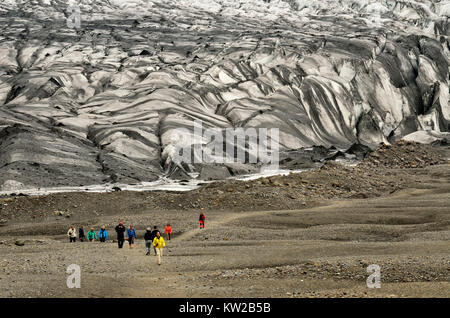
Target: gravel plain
{"x": 320, "y": 249}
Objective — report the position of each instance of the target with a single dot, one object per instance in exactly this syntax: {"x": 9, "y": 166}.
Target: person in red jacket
{"x": 168, "y": 231}
{"x": 202, "y": 220}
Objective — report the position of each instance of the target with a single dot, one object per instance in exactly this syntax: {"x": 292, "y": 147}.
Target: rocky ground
{"x": 382, "y": 172}
{"x": 319, "y": 245}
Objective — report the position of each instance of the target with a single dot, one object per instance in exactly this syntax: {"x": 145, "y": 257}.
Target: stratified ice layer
{"x": 102, "y": 103}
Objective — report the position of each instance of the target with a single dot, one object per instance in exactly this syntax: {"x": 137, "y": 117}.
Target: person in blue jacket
{"x": 103, "y": 234}
{"x": 131, "y": 235}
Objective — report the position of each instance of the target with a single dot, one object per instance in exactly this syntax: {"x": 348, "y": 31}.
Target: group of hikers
{"x": 91, "y": 235}
{"x": 151, "y": 237}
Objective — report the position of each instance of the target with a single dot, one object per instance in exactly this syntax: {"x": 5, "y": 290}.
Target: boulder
{"x": 214, "y": 172}
{"x": 12, "y": 185}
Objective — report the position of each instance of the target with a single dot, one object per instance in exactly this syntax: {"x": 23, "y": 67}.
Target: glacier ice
{"x": 100, "y": 104}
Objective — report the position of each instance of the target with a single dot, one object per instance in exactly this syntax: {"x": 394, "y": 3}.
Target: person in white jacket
{"x": 72, "y": 234}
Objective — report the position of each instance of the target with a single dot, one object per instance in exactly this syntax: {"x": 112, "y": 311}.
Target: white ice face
{"x": 94, "y": 91}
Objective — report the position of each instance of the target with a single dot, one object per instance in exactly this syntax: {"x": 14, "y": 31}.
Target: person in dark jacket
{"x": 81, "y": 234}
{"x": 120, "y": 229}
{"x": 131, "y": 235}
{"x": 155, "y": 230}
{"x": 148, "y": 240}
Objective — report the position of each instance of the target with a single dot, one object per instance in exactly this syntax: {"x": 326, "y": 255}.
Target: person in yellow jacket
{"x": 159, "y": 244}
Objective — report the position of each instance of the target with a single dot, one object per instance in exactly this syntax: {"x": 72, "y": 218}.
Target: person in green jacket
{"x": 91, "y": 236}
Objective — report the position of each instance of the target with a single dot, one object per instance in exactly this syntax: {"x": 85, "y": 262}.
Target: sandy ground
{"x": 320, "y": 251}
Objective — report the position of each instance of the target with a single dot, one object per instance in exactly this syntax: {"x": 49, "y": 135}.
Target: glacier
{"x": 99, "y": 104}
